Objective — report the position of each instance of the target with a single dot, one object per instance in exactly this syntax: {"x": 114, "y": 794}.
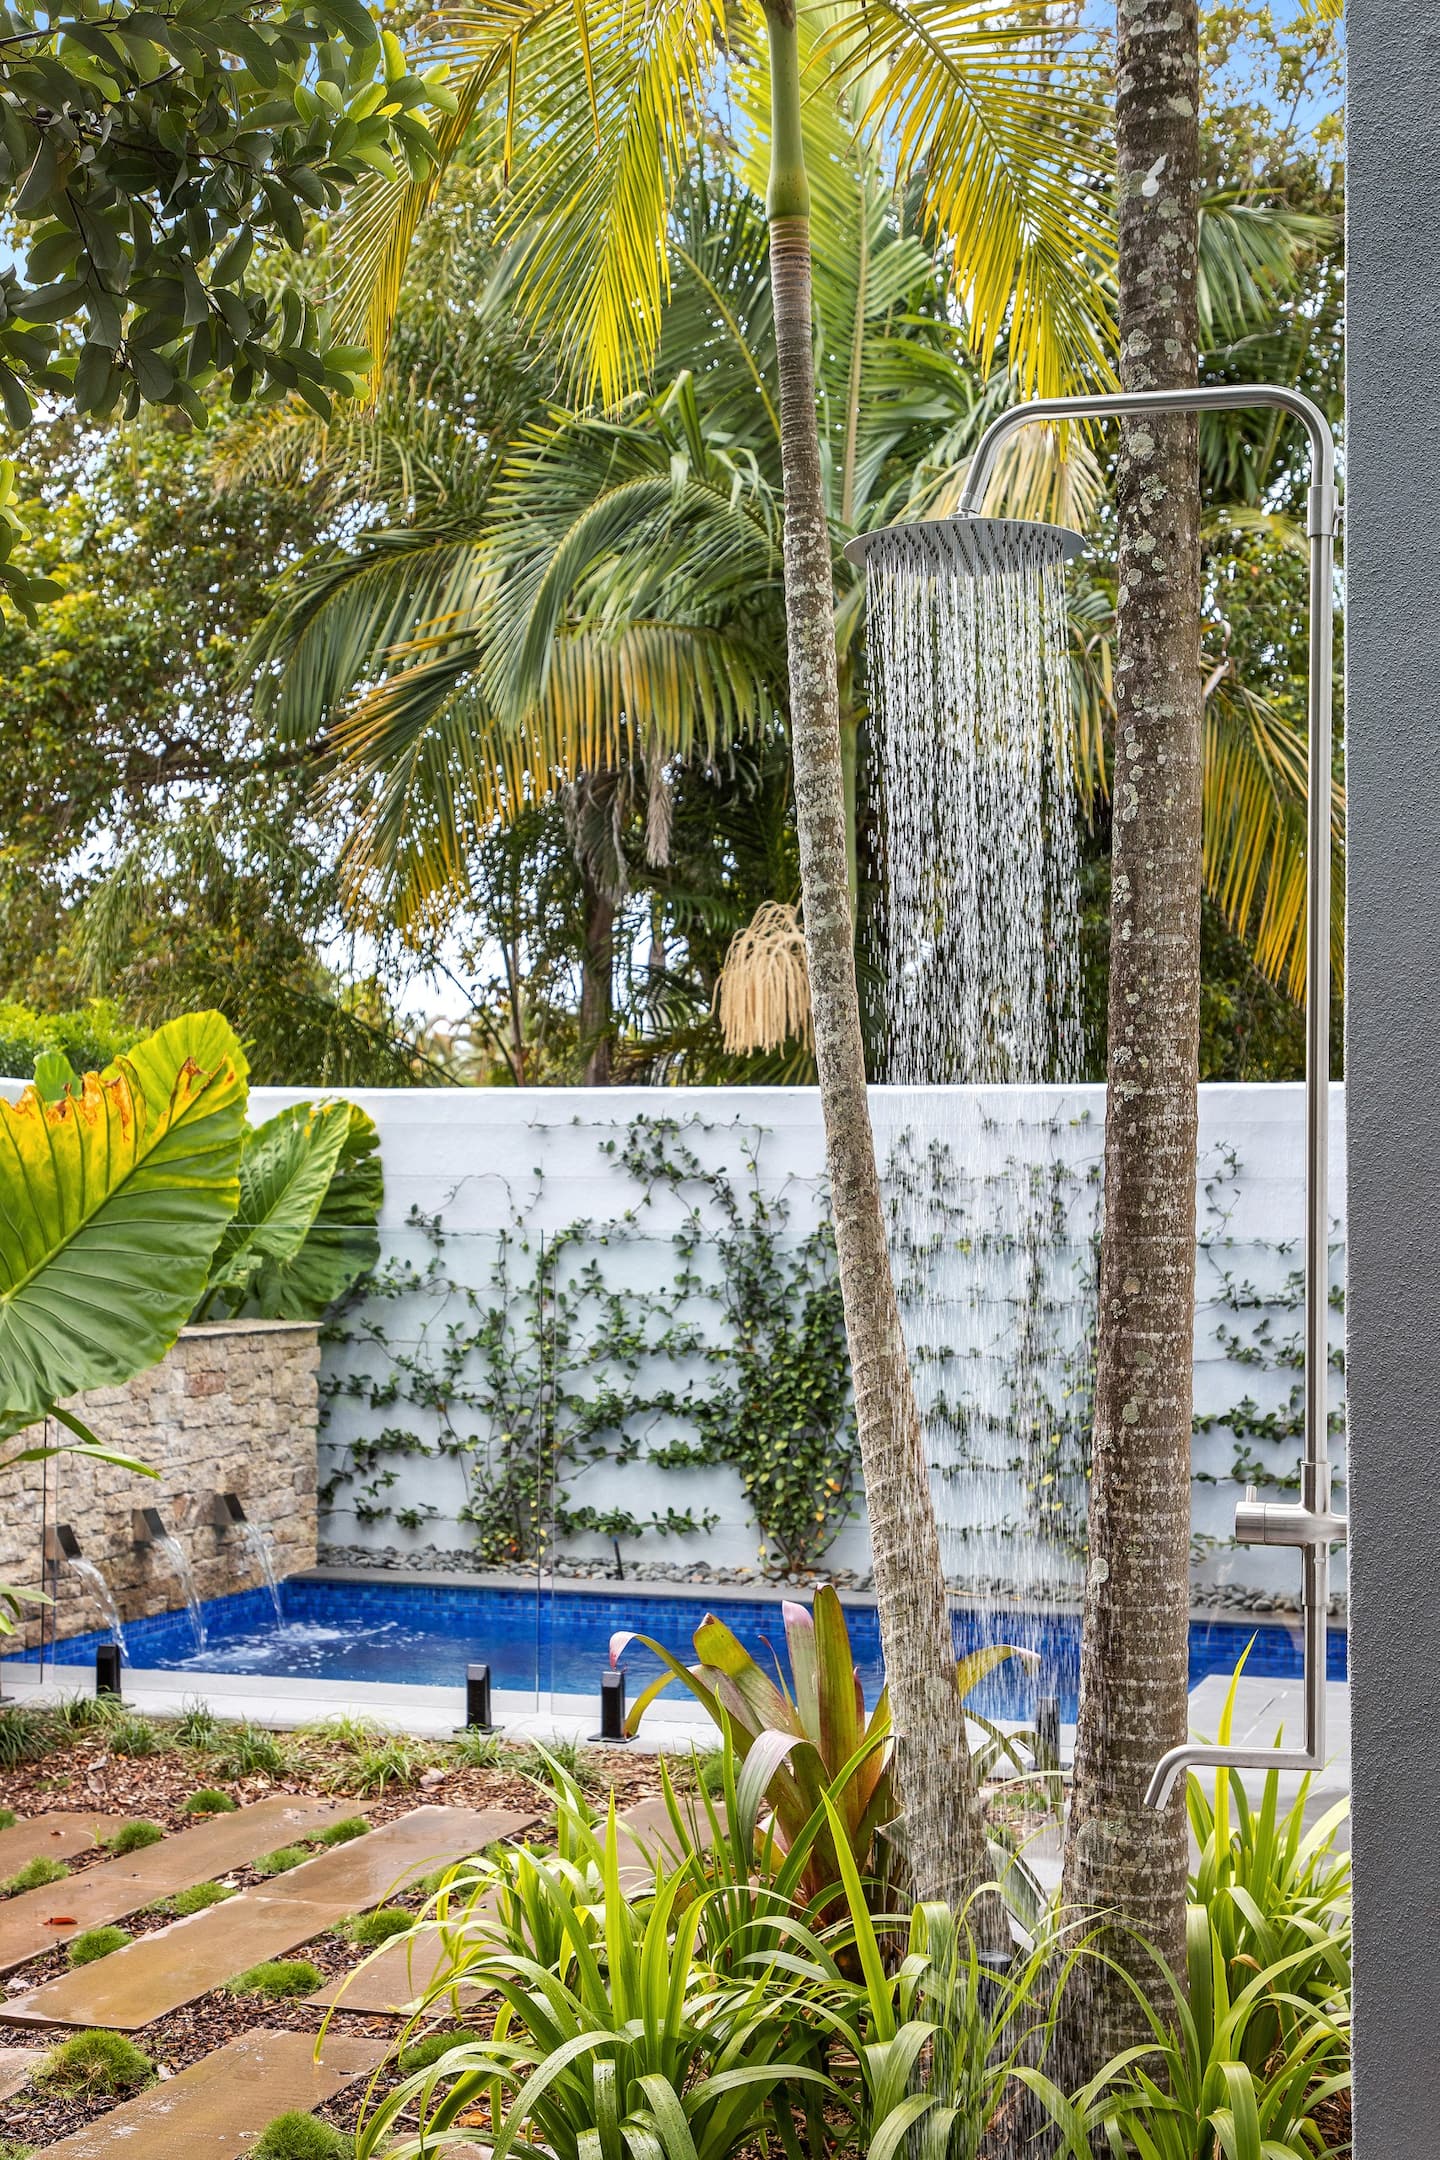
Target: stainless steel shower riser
{"x": 970, "y": 545}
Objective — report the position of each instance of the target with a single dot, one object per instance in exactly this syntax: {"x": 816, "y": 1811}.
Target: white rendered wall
{"x": 472, "y": 1156}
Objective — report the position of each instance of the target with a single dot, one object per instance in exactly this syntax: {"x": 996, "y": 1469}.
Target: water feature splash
{"x": 260, "y": 1547}
{"x": 104, "y": 1597}
{"x": 973, "y": 745}
{"x": 179, "y": 1560}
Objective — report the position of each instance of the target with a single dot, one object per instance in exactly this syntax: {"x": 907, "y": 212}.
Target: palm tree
{"x": 542, "y": 649}
{"x": 1126, "y": 1866}
{"x": 598, "y": 131}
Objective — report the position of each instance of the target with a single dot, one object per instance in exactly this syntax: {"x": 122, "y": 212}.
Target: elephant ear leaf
{"x": 54, "y": 1075}
{"x": 342, "y": 1243}
{"x": 285, "y": 1172}
{"x": 112, "y": 1199}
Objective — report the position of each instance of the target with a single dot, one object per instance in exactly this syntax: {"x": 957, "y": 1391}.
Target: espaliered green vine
{"x": 545, "y": 1371}
{"x": 573, "y": 1353}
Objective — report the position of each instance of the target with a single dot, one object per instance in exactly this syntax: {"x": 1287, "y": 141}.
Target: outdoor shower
{"x": 968, "y": 545}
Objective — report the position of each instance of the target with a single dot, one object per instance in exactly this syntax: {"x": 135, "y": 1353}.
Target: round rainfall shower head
{"x": 967, "y": 546}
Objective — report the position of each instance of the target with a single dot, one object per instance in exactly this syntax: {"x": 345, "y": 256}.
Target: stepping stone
{"x": 217, "y": 2108}
{"x": 157, "y": 1973}
{"x": 55, "y": 1837}
{"x": 16, "y": 2066}
{"x": 38, "y": 1919}
{"x": 391, "y": 1983}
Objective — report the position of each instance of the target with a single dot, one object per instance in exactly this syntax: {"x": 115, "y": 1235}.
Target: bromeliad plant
{"x": 815, "y": 1744}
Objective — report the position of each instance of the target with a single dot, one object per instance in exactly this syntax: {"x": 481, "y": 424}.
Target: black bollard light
{"x": 477, "y": 1699}
{"x": 1047, "y": 1733}
{"x": 612, "y": 1709}
{"x": 107, "y": 1669}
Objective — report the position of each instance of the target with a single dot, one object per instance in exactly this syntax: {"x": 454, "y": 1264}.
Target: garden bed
{"x": 119, "y": 1766}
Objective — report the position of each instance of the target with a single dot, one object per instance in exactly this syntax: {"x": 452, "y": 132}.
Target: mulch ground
{"x": 83, "y": 1773}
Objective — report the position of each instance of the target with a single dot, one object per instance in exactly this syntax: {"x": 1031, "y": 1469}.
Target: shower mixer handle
{"x": 1268, "y": 1522}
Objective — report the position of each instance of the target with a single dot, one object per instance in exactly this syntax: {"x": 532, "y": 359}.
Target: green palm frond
{"x": 343, "y": 611}
{"x": 1003, "y": 123}
{"x": 1251, "y": 255}
{"x": 717, "y": 324}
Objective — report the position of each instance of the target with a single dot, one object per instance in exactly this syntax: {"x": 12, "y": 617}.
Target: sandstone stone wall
{"x": 232, "y": 1408}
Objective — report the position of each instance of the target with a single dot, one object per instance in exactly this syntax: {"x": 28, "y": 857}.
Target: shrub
{"x": 97, "y": 1942}
{"x": 302, "y": 2137}
{"x": 478, "y": 1750}
{"x": 82, "y": 1713}
{"x": 25, "y": 1735}
{"x": 247, "y": 1751}
{"x": 90, "y": 1035}
{"x": 96, "y": 2062}
{"x": 8, "y": 1818}
{"x": 369, "y": 1929}
{"x": 34, "y": 1875}
{"x": 278, "y": 1980}
{"x": 340, "y": 1833}
{"x": 208, "y": 1801}
{"x": 281, "y": 1860}
{"x": 421, "y": 2053}
{"x": 134, "y": 1837}
{"x": 199, "y": 1897}
{"x": 352, "y": 1733}
{"x": 134, "y": 1736}
{"x": 375, "y": 1769}
{"x": 197, "y": 1725}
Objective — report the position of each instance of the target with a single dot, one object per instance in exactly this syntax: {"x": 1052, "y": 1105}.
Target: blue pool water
{"x": 559, "y": 1641}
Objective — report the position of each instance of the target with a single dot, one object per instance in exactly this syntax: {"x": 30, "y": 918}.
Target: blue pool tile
{"x": 559, "y": 1640}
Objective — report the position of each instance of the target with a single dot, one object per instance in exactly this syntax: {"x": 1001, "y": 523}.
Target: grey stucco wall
{"x": 1393, "y": 1064}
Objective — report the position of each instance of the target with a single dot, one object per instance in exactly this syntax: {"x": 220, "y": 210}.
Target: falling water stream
{"x": 973, "y": 747}
{"x": 179, "y": 1560}
{"x": 260, "y": 1547}
{"x": 104, "y": 1597}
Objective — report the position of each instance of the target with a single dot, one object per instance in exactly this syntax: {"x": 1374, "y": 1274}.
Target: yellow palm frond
{"x": 1005, "y": 126}
{"x": 1254, "y": 792}
{"x": 432, "y": 765}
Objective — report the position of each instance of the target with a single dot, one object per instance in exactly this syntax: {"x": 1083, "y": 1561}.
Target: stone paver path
{"x": 159, "y": 1972}
{"x": 391, "y": 1983}
{"x": 16, "y": 2066}
{"x": 55, "y": 1837}
{"x": 217, "y": 2108}
{"x": 38, "y": 1919}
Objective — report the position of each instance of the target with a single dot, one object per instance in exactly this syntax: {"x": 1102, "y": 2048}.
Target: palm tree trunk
{"x": 597, "y": 981}
{"x": 944, "y": 1834}
{"x": 1120, "y": 1858}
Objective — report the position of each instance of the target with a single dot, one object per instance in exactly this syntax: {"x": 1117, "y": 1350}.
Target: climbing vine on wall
{"x": 558, "y": 1363}
{"x": 573, "y": 1354}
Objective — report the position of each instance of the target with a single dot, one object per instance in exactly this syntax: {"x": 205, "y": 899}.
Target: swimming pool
{"x": 375, "y": 1631}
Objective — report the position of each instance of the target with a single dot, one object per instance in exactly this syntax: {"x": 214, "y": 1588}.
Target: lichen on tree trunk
{"x": 1121, "y": 1859}
{"x": 944, "y": 1832}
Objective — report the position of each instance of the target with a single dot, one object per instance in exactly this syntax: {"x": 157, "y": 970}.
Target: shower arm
{"x": 1311, "y": 1525}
